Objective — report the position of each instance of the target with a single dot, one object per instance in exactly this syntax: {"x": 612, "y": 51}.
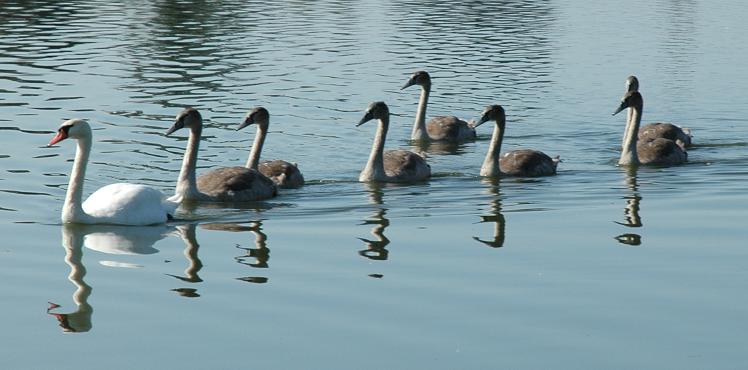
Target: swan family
{"x": 660, "y": 144}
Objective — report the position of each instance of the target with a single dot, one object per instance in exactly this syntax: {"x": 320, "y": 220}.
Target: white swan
{"x": 226, "y": 184}
{"x": 440, "y": 128}
{"x": 523, "y": 162}
{"x": 393, "y": 165}
{"x": 658, "y": 151}
{"x": 284, "y": 174}
{"x": 651, "y": 131}
{"x": 119, "y": 204}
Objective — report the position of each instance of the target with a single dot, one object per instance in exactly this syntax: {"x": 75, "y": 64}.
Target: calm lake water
{"x": 598, "y": 267}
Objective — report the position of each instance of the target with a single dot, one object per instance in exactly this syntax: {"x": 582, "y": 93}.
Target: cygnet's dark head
{"x": 189, "y": 118}
{"x": 376, "y": 110}
{"x": 257, "y": 115}
{"x": 631, "y": 99}
{"x": 420, "y": 78}
{"x": 492, "y": 113}
{"x": 632, "y": 83}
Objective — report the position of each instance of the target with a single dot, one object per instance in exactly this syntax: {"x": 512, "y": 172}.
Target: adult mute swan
{"x": 119, "y": 204}
{"x": 226, "y": 184}
{"x": 523, "y": 162}
{"x": 284, "y": 174}
{"x": 440, "y": 128}
{"x": 658, "y": 151}
{"x": 651, "y": 131}
{"x": 393, "y": 165}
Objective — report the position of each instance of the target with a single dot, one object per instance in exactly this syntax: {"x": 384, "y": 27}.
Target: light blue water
{"x": 598, "y": 267}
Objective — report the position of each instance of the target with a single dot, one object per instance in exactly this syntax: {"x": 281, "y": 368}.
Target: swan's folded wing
{"x": 527, "y": 162}
{"x": 666, "y": 131}
{"x": 661, "y": 151}
{"x": 129, "y": 204}
{"x": 236, "y": 184}
{"x": 449, "y": 128}
{"x": 404, "y": 165}
{"x": 284, "y": 174}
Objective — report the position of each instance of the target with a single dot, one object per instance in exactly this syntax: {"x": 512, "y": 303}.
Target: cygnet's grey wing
{"x": 403, "y": 165}
{"x": 236, "y": 184}
{"x": 527, "y": 162}
{"x": 660, "y": 151}
{"x": 283, "y": 174}
{"x": 449, "y": 128}
{"x": 666, "y": 131}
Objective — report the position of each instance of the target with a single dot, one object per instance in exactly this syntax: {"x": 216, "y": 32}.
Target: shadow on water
{"x": 631, "y": 216}
{"x": 103, "y": 238}
{"x": 376, "y": 249}
{"x": 495, "y": 215}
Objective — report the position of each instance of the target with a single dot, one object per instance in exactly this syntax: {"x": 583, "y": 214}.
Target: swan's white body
{"x": 128, "y": 204}
{"x": 393, "y": 165}
{"x": 440, "y": 128}
{"x": 226, "y": 184}
{"x": 284, "y": 174}
{"x": 657, "y": 151}
{"x": 523, "y": 162}
{"x": 118, "y": 204}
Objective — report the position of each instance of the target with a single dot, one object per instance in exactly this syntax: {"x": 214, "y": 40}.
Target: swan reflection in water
{"x": 110, "y": 239}
{"x": 376, "y": 248}
{"x": 187, "y": 234}
{"x": 425, "y": 148}
{"x": 495, "y": 215}
{"x": 631, "y": 216}
{"x": 256, "y": 257}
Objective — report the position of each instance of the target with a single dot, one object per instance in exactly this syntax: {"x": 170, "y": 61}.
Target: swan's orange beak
{"x": 61, "y": 135}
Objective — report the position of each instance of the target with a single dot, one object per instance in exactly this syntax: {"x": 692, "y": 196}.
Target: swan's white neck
{"x": 629, "y": 155}
{"x": 187, "y": 183}
{"x": 72, "y": 209}
{"x": 490, "y": 166}
{"x": 254, "y": 155}
{"x": 374, "y": 169}
{"x": 419, "y": 126}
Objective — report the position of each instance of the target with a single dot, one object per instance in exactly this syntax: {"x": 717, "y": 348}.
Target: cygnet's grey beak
{"x": 177, "y": 125}
{"x": 620, "y": 107}
{"x": 367, "y": 117}
{"x": 247, "y": 121}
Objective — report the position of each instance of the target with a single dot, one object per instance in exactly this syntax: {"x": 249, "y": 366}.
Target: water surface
{"x": 598, "y": 267}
